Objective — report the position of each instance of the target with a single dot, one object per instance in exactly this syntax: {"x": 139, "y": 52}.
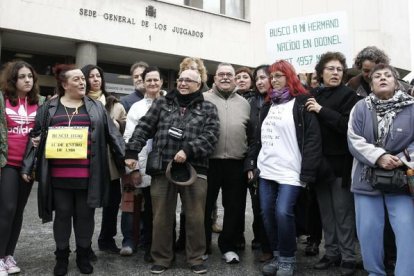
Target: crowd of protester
{"x": 308, "y": 149}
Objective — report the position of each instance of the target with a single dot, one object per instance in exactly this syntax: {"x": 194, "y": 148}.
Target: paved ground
{"x": 35, "y": 256}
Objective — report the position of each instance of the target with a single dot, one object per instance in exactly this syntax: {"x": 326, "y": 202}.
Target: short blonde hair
{"x": 186, "y": 64}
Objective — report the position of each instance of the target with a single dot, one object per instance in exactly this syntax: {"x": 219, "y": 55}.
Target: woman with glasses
{"x": 184, "y": 128}
{"x": 332, "y": 103}
{"x": 287, "y": 150}
{"x": 197, "y": 64}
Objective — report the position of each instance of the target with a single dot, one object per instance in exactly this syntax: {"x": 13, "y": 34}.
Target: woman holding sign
{"x": 72, "y": 166}
{"x": 17, "y": 112}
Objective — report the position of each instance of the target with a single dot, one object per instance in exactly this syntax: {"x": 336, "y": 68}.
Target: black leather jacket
{"x": 103, "y": 132}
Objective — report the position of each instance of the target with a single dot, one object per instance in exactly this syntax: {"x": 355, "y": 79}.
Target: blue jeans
{"x": 370, "y": 219}
{"x": 127, "y": 229}
{"x": 277, "y": 202}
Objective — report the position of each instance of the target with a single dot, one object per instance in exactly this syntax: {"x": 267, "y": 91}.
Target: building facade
{"x": 115, "y": 34}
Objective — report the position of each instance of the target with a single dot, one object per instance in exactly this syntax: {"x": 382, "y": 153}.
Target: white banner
{"x": 302, "y": 41}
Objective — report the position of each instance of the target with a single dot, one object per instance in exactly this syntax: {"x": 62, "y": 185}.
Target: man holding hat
{"x": 185, "y": 130}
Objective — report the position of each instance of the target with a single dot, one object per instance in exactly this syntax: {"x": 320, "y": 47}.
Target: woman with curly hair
{"x": 18, "y": 111}
{"x": 332, "y": 103}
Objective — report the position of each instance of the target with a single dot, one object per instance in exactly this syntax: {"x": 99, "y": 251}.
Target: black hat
{"x": 182, "y": 174}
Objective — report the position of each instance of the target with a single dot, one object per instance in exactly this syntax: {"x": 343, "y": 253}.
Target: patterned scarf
{"x": 387, "y": 110}
{"x": 280, "y": 96}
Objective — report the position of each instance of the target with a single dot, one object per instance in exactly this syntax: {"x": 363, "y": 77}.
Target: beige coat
{"x": 117, "y": 114}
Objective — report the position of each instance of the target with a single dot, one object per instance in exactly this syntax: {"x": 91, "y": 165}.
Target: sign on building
{"x": 119, "y": 88}
{"x": 302, "y": 41}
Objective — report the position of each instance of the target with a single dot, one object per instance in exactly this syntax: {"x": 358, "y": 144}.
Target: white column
{"x": 86, "y": 53}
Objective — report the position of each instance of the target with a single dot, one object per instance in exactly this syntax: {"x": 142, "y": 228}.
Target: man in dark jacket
{"x": 136, "y": 72}
{"x": 184, "y": 128}
{"x": 365, "y": 60}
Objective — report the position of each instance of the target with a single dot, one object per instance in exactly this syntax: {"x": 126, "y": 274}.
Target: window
{"x": 233, "y": 8}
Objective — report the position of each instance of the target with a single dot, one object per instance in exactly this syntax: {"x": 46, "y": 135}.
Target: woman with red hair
{"x": 286, "y": 153}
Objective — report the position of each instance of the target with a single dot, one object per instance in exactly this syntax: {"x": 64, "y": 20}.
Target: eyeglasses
{"x": 276, "y": 76}
{"x": 332, "y": 69}
{"x": 181, "y": 80}
{"x": 222, "y": 75}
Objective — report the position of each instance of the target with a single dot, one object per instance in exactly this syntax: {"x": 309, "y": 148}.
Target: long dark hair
{"x": 86, "y": 70}
{"x": 9, "y": 80}
{"x": 111, "y": 100}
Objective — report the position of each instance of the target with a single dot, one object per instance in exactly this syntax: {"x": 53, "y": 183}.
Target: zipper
{"x": 301, "y": 108}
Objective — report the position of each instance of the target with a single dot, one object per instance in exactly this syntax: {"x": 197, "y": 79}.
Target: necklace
{"x": 70, "y": 118}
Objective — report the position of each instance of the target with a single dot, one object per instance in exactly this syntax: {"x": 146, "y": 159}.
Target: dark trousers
{"x": 147, "y": 218}
{"x": 14, "y": 193}
{"x": 228, "y": 175}
{"x": 313, "y": 217}
{"x": 256, "y": 216}
{"x": 71, "y": 204}
{"x": 110, "y": 215}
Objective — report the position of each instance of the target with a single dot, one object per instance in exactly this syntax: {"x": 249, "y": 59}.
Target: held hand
{"x": 136, "y": 178}
{"x": 312, "y": 105}
{"x": 36, "y": 141}
{"x": 180, "y": 157}
{"x": 250, "y": 175}
{"x": 27, "y": 178}
{"x": 389, "y": 162}
{"x": 131, "y": 163}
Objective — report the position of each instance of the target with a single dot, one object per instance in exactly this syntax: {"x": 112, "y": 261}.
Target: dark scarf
{"x": 280, "y": 96}
{"x": 185, "y": 100}
{"x": 365, "y": 85}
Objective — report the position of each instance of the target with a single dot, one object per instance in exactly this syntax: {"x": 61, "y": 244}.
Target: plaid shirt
{"x": 199, "y": 122}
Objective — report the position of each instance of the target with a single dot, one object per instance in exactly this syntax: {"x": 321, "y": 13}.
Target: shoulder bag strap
{"x": 375, "y": 125}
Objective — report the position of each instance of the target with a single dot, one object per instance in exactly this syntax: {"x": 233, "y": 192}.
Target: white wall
{"x": 383, "y": 23}
{"x": 221, "y": 39}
